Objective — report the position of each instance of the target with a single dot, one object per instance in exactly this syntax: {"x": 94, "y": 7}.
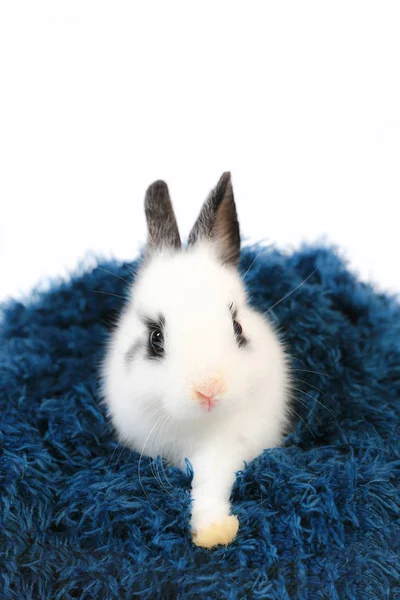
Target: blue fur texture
{"x": 319, "y": 517}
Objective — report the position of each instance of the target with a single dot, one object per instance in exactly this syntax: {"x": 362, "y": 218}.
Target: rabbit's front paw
{"x": 216, "y": 534}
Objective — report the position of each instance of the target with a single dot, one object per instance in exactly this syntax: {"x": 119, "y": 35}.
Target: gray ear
{"x": 218, "y": 222}
{"x": 161, "y": 222}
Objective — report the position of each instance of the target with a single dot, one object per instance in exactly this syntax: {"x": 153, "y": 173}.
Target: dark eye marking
{"x": 237, "y": 328}
{"x": 133, "y": 350}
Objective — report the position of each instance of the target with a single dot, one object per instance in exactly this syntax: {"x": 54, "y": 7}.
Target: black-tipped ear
{"x": 161, "y": 222}
{"x": 217, "y": 222}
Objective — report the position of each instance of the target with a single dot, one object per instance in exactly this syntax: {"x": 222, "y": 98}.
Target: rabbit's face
{"x": 194, "y": 352}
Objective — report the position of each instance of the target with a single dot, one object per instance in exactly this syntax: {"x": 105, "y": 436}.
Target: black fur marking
{"x": 161, "y": 222}
{"x": 153, "y": 323}
{"x": 233, "y": 310}
{"x": 132, "y": 352}
{"x": 242, "y": 341}
{"x": 240, "y": 338}
{"x": 218, "y": 222}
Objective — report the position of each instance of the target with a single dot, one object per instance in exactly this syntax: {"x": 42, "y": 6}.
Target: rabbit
{"x": 191, "y": 370}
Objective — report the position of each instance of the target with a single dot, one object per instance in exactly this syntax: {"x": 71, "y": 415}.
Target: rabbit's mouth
{"x": 207, "y": 403}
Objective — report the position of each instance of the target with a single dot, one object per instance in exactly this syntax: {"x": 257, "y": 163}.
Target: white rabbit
{"x": 191, "y": 371}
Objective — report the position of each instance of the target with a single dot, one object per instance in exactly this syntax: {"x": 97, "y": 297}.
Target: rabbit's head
{"x": 188, "y": 343}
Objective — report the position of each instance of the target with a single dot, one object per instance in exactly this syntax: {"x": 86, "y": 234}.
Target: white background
{"x": 300, "y": 100}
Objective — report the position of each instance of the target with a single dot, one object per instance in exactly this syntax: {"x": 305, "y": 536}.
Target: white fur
{"x": 151, "y": 402}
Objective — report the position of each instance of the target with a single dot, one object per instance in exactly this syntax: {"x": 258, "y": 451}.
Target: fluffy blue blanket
{"x": 319, "y": 516}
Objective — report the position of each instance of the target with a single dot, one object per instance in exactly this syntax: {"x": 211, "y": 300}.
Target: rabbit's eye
{"x": 237, "y": 328}
{"x": 156, "y": 341}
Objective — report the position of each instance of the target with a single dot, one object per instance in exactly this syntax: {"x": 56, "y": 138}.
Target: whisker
{"x": 315, "y": 399}
{"x": 308, "y": 371}
{"x": 310, "y": 384}
{"x": 297, "y": 415}
{"x": 140, "y": 460}
{"x": 112, "y": 455}
{"x": 308, "y": 408}
{"x": 141, "y": 454}
{"x": 160, "y": 460}
{"x": 153, "y": 469}
{"x": 111, "y": 273}
{"x": 109, "y": 427}
{"x": 110, "y": 294}
{"x": 154, "y": 460}
{"x": 107, "y": 323}
{"x": 165, "y": 475}
{"x": 290, "y": 293}
{"x": 296, "y": 358}
{"x": 157, "y": 409}
{"x": 257, "y": 255}
{"x": 154, "y": 463}
{"x": 118, "y": 459}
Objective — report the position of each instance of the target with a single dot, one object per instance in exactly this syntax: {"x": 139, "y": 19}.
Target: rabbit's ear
{"x": 161, "y": 222}
{"x": 218, "y": 223}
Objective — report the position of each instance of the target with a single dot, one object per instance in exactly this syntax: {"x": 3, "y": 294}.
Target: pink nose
{"x": 208, "y": 390}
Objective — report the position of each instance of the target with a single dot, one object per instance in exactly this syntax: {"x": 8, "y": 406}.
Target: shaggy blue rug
{"x": 319, "y": 517}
